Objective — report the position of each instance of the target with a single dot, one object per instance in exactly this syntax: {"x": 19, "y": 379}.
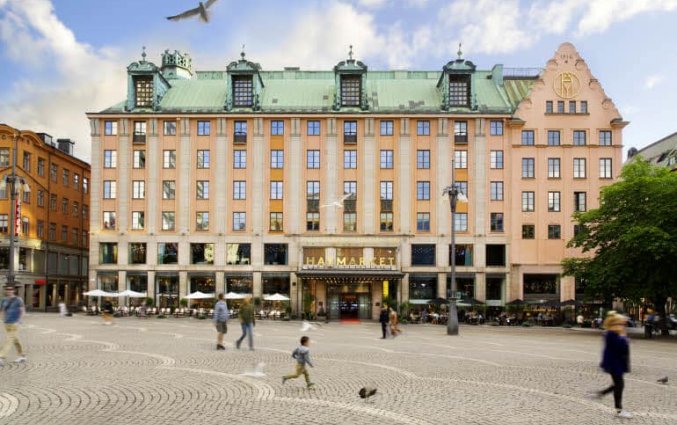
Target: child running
{"x": 302, "y": 357}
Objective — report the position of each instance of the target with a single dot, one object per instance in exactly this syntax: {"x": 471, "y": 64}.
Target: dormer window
{"x": 243, "y": 91}
{"x": 144, "y": 92}
{"x": 351, "y": 87}
{"x": 459, "y": 90}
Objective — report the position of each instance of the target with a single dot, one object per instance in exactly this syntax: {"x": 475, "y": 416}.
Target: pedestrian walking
{"x": 221, "y": 321}
{"x": 383, "y": 318}
{"x": 394, "y": 328}
{"x": 13, "y": 310}
{"x": 107, "y": 312}
{"x": 616, "y": 360}
{"x": 247, "y": 322}
{"x": 302, "y": 356}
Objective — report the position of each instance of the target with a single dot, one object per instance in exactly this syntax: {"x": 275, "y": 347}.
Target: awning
{"x": 351, "y": 274}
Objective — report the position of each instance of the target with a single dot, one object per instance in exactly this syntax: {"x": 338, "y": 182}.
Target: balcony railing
{"x": 139, "y": 139}
{"x": 386, "y": 205}
{"x": 350, "y": 139}
{"x": 350, "y": 205}
{"x": 461, "y": 139}
{"x": 240, "y": 138}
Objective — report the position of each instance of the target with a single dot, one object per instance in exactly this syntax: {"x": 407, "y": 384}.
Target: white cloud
{"x": 653, "y": 80}
{"x": 601, "y": 14}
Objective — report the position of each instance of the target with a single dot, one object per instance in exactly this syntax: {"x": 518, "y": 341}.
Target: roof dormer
{"x": 177, "y": 65}
{"x": 145, "y": 85}
{"x": 244, "y": 84}
{"x": 351, "y": 80}
{"x": 456, "y": 84}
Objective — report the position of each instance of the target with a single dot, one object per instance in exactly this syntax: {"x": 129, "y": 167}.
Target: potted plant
{"x": 288, "y": 312}
{"x": 149, "y": 302}
{"x": 183, "y": 302}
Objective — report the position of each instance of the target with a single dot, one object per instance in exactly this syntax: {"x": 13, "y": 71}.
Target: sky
{"x": 62, "y": 58}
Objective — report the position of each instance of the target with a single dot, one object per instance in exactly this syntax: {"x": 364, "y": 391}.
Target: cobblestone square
{"x": 152, "y": 371}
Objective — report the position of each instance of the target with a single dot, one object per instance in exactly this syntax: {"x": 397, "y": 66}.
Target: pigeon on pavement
{"x": 663, "y": 380}
{"x": 367, "y": 392}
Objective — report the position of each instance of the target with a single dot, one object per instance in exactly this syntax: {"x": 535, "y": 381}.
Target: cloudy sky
{"x": 61, "y": 58}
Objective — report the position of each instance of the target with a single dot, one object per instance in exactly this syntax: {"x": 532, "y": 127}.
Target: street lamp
{"x": 455, "y": 195}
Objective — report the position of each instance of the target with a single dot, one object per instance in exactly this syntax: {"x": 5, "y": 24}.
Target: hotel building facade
{"x": 326, "y": 186}
{"x": 52, "y": 226}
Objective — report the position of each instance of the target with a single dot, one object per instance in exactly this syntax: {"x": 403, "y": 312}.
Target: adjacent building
{"x": 662, "y": 152}
{"x": 326, "y": 186}
{"x": 52, "y": 211}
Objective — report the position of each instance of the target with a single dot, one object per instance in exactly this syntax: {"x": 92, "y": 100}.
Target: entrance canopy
{"x": 350, "y": 275}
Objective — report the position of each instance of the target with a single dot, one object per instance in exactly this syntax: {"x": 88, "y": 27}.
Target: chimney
{"x": 65, "y": 145}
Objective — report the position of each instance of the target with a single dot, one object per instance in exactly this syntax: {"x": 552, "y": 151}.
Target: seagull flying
{"x": 339, "y": 203}
{"x": 366, "y": 392}
{"x": 663, "y": 380}
{"x": 201, "y": 10}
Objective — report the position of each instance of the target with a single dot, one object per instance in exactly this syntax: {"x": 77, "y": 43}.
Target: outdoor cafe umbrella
{"x": 516, "y": 302}
{"x": 276, "y": 297}
{"x": 438, "y": 301}
{"x": 571, "y": 303}
{"x": 197, "y": 295}
{"x": 132, "y": 294}
{"x": 100, "y": 293}
{"x": 234, "y": 296}
{"x": 470, "y": 301}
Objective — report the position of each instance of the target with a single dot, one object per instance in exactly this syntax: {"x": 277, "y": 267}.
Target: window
{"x": 169, "y": 128}
{"x": 580, "y": 201}
{"x": 138, "y": 189}
{"x": 548, "y": 106}
{"x": 584, "y": 106}
{"x": 277, "y": 158}
{"x": 276, "y": 190}
{"x": 276, "y": 128}
{"x": 554, "y": 231}
{"x": 553, "y": 201}
{"x": 64, "y": 233}
{"x": 4, "y": 157}
{"x": 4, "y": 223}
{"x": 239, "y": 221}
{"x": 528, "y": 201}
{"x": 202, "y": 253}
{"x": 312, "y": 221}
{"x": 579, "y": 168}
{"x": 203, "y": 128}
{"x": 85, "y": 185}
{"x": 169, "y": 159}
{"x": 461, "y": 222}
{"x": 350, "y": 132}
{"x": 350, "y": 159}
{"x": 41, "y": 229}
{"x": 313, "y": 196}
{"x": 137, "y": 253}
{"x": 462, "y": 187}
{"x": 52, "y": 231}
{"x": 386, "y": 128}
{"x": 240, "y": 133}
{"x": 553, "y": 138}
{"x": 276, "y": 222}
{"x": 76, "y": 209}
{"x": 239, "y": 159}
{"x": 27, "y": 162}
{"x": 65, "y": 177}
{"x": 52, "y": 172}
{"x": 386, "y": 159}
{"x": 139, "y": 160}
{"x": 386, "y": 190}
{"x": 460, "y": 159}
{"x": 528, "y": 137}
{"x": 41, "y": 167}
{"x": 85, "y": 238}
{"x": 350, "y": 203}
{"x": 110, "y": 128}
{"x": 386, "y": 222}
{"x": 85, "y": 212}
{"x": 243, "y": 91}
{"x": 461, "y": 132}
{"x": 495, "y": 255}
{"x": 528, "y": 231}
{"x": 168, "y": 189}
{"x": 423, "y": 222}
{"x": 423, "y": 159}
{"x": 577, "y": 229}
{"x": 459, "y": 90}
{"x": 605, "y": 168}
{"x": 422, "y": 287}
{"x": 202, "y": 220}
{"x": 560, "y": 106}
{"x": 496, "y": 128}
{"x": 423, "y": 128}
{"x": 203, "y": 159}
{"x": 422, "y": 254}
{"x": 351, "y": 86}
{"x": 579, "y": 138}
{"x": 349, "y": 222}
{"x": 139, "y": 132}
{"x": 528, "y": 168}
{"x": 109, "y": 189}
{"x": 144, "y": 91}
{"x": 422, "y": 191}
{"x": 238, "y": 253}
{"x": 167, "y": 253}
{"x": 168, "y": 220}
{"x": 553, "y": 168}
{"x": 496, "y": 191}
{"x": 52, "y": 201}
{"x": 138, "y": 219}
{"x": 313, "y": 158}
{"x": 26, "y": 226}
{"x": 313, "y": 128}
{"x": 496, "y": 160}
{"x": 202, "y": 189}
{"x": 275, "y": 254}
{"x": 496, "y": 222}
{"x": 76, "y": 181}
{"x": 463, "y": 257}
{"x": 239, "y": 189}
{"x": 41, "y": 198}
{"x": 108, "y": 253}
{"x": 27, "y": 197}
{"x": 572, "y": 106}
{"x": 605, "y": 138}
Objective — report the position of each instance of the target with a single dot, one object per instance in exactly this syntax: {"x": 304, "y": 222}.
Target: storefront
{"x": 167, "y": 289}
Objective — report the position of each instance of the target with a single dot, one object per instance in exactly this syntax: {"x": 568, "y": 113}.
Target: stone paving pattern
{"x": 154, "y": 371}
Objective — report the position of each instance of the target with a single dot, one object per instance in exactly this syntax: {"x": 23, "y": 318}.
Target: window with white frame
{"x": 239, "y": 221}
{"x": 138, "y": 219}
{"x": 460, "y": 159}
{"x": 109, "y": 189}
{"x": 202, "y": 189}
{"x": 138, "y": 189}
{"x": 239, "y": 158}
{"x": 239, "y": 189}
{"x": 496, "y": 160}
{"x": 554, "y": 201}
{"x": 168, "y": 189}
{"x": 276, "y": 190}
{"x": 528, "y": 201}
{"x": 605, "y": 168}
{"x": 110, "y": 159}
{"x": 203, "y": 159}
{"x": 579, "y": 168}
{"x": 313, "y": 158}
{"x": 169, "y": 159}
{"x": 496, "y": 191}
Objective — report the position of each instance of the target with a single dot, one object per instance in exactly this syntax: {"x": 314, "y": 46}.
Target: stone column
{"x": 370, "y": 197}
{"x": 293, "y": 167}
{"x": 150, "y": 285}
{"x": 405, "y": 201}
{"x": 153, "y": 156}
{"x": 123, "y": 183}
{"x": 220, "y": 283}
{"x": 443, "y": 166}
{"x": 330, "y": 161}
{"x": 122, "y": 281}
{"x": 220, "y": 164}
{"x": 95, "y": 185}
{"x": 442, "y": 285}
{"x": 481, "y": 286}
{"x": 259, "y": 181}
{"x": 258, "y": 284}
{"x": 183, "y": 285}
{"x": 479, "y": 179}
{"x": 184, "y": 219}
{"x": 294, "y": 283}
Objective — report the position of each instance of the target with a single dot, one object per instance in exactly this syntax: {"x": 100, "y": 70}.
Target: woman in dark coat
{"x": 616, "y": 360}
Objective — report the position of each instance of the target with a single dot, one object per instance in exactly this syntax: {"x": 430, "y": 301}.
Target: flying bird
{"x": 663, "y": 380}
{"x": 366, "y": 392}
{"x": 201, "y": 10}
{"x": 339, "y": 203}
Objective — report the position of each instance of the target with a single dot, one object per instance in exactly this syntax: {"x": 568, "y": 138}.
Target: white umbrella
{"x": 132, "y": 294}
{"x": 197, "y": 295}
{"x": 276, "y": 297}
{"x": 234, "y": 296}
{"x": 99, "y": 293}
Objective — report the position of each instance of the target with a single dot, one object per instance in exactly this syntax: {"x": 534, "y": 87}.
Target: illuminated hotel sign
{"x": 320, "y": 262}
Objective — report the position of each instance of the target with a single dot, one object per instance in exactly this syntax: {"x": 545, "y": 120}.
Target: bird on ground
{"x": 201, "y": 10}
{"x": 367, "y": 392}
{"x": 339, "y": 203}
{"x": 257, "y": 372}
{"x": 663, "y": 380}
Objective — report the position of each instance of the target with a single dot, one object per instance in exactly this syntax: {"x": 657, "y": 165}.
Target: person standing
{"x": 107, "y": 312}
{"x": 247, "y": 322}
{"x": 383, "y": 318}
{"x": 14, "y": 310}
{"x": 221, "y": 319}
{"x": 616, "y": 360}
{"x": 394, "y": 329}
{"x": 302, "y": 357}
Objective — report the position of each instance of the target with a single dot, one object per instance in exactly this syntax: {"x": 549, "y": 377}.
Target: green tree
{"x": 631, "y": 238}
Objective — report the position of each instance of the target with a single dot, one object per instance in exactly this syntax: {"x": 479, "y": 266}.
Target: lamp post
{"x": 16, "y": 183}
{"x": 455, "y": 195}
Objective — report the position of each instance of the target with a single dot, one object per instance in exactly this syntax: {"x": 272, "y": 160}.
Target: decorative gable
{"x": 244, "y": 85}
{"x": 145, "y": 85}
{"x": 456, "y": 85}
{"x": 350, "y": 78}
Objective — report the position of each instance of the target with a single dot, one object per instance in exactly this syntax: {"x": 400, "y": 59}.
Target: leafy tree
{"x": 631, "y": 238}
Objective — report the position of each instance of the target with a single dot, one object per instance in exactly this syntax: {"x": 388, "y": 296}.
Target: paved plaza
{"x": 153, "y": 371}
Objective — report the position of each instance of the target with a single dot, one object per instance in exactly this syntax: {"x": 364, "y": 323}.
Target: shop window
{"x": 108, "y": 253}
{"x": 202, "y": 253}
{"x": 275, "y": 285}
{"x": 464, "y": 255}
{"x": 238, "y": 253}
{"x": 494, "y": 288}
{"x": 137, "y": 253}
{"x": 422, "y": 254}
{"x": 275, "y": 253}
{"x": 495, "y": 255}
{"x": 540, "y": 284}
{"x": 422, "y": 287}
{"x": 167, "y": 253}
